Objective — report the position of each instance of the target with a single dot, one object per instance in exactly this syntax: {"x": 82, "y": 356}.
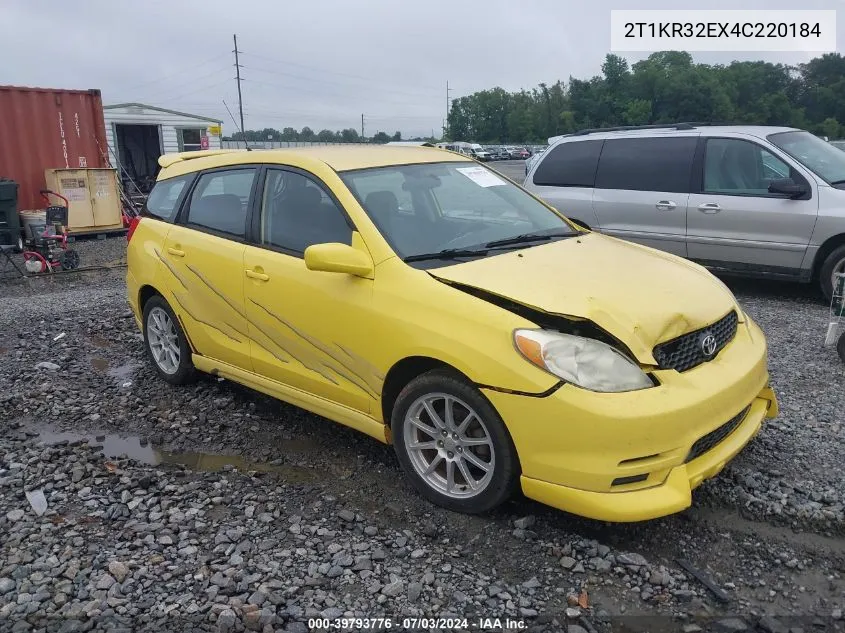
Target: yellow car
{"x": 417, "y": 296}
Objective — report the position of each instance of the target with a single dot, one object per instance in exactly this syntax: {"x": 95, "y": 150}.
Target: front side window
{"x": 647, "y": 164}
{"x": 220, "y": 200}
{"x": 735, "y": 166}
{"x": 427, "y": 208}
{"x": 164, "y": 198}
{"x": 814, "y": 153}
{"x": 297, "y": 213}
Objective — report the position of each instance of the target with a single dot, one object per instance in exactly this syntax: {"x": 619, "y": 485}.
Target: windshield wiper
{"x": 837, "y": 182}
{"x": 528, "y": 237}
{"x": 448, "y": 253}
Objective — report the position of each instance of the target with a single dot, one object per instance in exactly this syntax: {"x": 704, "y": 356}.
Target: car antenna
{"x": 246, "y": 143}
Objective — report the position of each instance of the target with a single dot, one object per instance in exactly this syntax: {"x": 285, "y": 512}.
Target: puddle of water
{"x": 99, "y": 341}
{"x": 114, "y": 446}
{"x": 122, "y": 372}
{"x": 100, "y": 364}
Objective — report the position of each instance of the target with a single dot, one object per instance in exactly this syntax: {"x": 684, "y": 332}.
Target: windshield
{"x": 458, "y": 205}
{"x": 814, "y": 153}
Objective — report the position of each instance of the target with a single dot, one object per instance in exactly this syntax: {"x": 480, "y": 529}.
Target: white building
{"x": 137, "y": 134}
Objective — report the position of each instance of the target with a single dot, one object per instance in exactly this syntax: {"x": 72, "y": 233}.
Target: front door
{"x": 309, "y": 330}
{"x": 204, "y": 255}
{"x": 735, "y": 223}
{"x": 642, "y": 188}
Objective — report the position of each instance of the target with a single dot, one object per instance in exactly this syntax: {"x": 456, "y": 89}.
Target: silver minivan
{"x": 749, "y": 200}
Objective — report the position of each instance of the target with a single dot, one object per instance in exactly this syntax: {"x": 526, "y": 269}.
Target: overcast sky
{"x": 323, "y": 63}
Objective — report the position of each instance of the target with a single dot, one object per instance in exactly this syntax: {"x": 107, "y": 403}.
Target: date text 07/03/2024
{"x": 417, "y": 624}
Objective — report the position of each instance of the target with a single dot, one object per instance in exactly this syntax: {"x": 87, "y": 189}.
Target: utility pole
{"x": 238, "y": 77}
{"x": 362, "y": 129}
{"x": 448, "y": 103}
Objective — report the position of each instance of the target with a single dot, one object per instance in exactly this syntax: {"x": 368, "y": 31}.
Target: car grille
{"x": 714, "y": 437}
{"x": 685, "y": 352}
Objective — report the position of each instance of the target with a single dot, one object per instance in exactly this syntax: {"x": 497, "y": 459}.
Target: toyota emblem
{"x": 708, "y": 345}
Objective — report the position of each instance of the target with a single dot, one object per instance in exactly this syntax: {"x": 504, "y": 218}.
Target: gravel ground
{"x": 232, "y": 511}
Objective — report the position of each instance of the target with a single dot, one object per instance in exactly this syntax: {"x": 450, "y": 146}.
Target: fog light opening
{"x": 630, "y": 479}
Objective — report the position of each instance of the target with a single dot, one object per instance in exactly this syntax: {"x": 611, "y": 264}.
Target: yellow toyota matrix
{"x": 419, "y": 297}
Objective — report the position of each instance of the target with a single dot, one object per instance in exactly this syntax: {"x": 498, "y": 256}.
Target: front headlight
{"x": 582, "y": 361}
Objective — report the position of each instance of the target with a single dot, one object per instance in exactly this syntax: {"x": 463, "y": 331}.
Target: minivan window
{"x": 164, "y": 198}
{"x": 647, "y": 164}
{"x": 735, "y": 166}
{"x": 571, "y": 164}
{"x": 814, "y": 153}
{"x": 220, "y": 200}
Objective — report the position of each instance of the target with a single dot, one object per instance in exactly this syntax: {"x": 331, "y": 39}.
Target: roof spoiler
{"x": 166, "y": 160}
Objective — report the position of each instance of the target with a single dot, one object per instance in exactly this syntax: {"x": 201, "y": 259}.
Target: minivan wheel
{"x": 833, "y": 263}
{"x": 166, "y": 344}
{"x": 452, "y": 444}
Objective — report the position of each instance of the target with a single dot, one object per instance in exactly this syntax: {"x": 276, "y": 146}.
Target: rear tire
{"x": 472, "y": 462}
{"x": 166, "y": 343}
{"x": 834, "y": 262}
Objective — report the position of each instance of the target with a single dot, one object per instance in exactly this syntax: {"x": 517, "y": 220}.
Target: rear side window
{"x": 165, "y": 196}
{"x": 571, "y": 164}
{"x": 647, "y": 164}
{"x": 219, "y": 201}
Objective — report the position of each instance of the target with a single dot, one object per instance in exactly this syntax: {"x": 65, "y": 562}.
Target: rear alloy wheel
{"x": 166, "y": 344}
{"x": 452, "y": 444}
{"x": 833, "y": 263}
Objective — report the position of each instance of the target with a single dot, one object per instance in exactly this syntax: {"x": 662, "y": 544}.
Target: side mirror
{"x": 787, "y": 187}
{"x": 338, "y": 258}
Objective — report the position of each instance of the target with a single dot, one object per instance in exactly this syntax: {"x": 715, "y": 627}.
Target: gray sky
{"x": 323, "y": 63}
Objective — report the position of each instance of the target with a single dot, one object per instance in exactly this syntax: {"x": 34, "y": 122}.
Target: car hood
{"x": 639, "y": 295}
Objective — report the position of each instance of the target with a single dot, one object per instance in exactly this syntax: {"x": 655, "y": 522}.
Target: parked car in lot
{"x": 418, "y": 297}
{"x": 482, "y": 155}
{"x": 746, "y": 200}
{"x": 520, "y": 153}
{"x": 500, "y": 153}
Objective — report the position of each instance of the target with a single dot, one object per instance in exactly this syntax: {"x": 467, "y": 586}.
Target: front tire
{"x": 833, "y": 263}
{"x": 166, "y": 343}
{"x": 452, "y": 444}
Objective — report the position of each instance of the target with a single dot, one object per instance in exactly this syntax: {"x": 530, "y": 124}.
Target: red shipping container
{"x": 42, "y": 128}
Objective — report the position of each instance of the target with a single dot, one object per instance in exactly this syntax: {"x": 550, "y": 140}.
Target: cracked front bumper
{"x": 628, "y": 456}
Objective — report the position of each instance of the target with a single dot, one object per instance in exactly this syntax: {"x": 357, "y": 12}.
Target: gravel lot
{"x": 231, "y": 511}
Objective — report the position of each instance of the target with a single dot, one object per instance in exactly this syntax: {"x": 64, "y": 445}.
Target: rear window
{"x": 164, "y": 199}
{"x": 647, "y": 164}
{"x": 571, "y": 164}
{"x": 220, "y": 200}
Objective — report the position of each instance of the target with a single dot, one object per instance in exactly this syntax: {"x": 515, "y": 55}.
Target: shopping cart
{"x": 836, "y": 325}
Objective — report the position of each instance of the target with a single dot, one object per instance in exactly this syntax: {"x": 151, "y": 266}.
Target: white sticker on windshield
{"x": 481, "y": 176}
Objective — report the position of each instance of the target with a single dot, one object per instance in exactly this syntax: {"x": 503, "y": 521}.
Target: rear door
{"x": 564, "y": 178}
{"x": 204, "y": 253}
{"x": 734, "y": 223}
{"x": 642, "y": 189}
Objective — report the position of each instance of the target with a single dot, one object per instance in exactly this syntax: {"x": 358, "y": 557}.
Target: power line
{"x": 163, "y": 91}
{"x": 191, "y": 68}
{"x": 323, "y": 93}
{"x": 335, "y": 83}
{"x": 320, "y": 70}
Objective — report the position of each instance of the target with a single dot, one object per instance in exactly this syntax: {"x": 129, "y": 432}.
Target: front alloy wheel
{"x": 452, "y": 444}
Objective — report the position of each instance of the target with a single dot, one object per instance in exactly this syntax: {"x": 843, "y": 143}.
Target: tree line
{"x": 665, "y": 88}
{"x": 306, "y": 134}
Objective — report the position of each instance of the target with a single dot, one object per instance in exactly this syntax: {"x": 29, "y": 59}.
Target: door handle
{"x": 665, "y": 205}
{"x": 254, "y": 274}
{"x": 176, "y": 252}
{"x": 709, "y": 207}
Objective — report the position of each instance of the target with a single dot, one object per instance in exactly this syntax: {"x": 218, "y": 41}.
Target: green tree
{"x": 380, "y": 137}
{"x": 326, "y": 136}
{"x": 350, "y": 135}
{"x": 397, "y": 136}
{"x": 307, "y": 134}
{"x": 830, "y": 128}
